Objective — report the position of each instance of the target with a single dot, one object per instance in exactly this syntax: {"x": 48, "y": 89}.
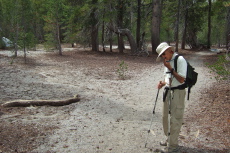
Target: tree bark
{"x": 110, "y": 41}
{"x": 17, "y": 30}
{"x": 103, "y": 32}
{"x": 183, "y": 41}
{"x": 126, "y": 32}
{"x": 26, "y": 103}
{"x": 156, "y": 16}
{"x": 58, "y": 38}
{"x": 138, "y": 31}
{"x": 94, "y": 38}
{"x": 209, "y": 23}
{"x": 120, "y": 24}
{"x": 94, "y": 29}
{"x": 177, "y": 26}
{"x": 228, "y": 27}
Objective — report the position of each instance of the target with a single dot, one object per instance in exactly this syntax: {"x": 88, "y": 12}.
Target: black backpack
{"x": 191, "y": 76}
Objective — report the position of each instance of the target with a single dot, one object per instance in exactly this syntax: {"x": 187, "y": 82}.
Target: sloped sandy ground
{"x": 113, "y": 115}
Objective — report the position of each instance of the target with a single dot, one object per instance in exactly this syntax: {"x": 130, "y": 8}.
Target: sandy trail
{"x": 112, "y": 116}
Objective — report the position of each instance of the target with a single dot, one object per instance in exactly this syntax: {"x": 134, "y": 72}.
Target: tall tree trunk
{"x": 138, "y": 32}
{"x": 209, "y": 23}
{"x": 110, "y": 36}
{"x": 110, "y": 41}
{"x": 120, "y": 44}
{"x": 120, "y": 25}
{"x": 177, "y": 26}
{"x": 16, "y": 41}
{"x": 24, "y": 49}
{"x": 183, "y": 41}
{"x": 155, "y": 30}
{"x": 125, "y": 32}
{"x": 15, "y": 19}
{"x": 58, "y": 39}
{"x": 94, "y": 29}
{"x": 228, "y": 27}
{"x": 103, "y": 32}
{"x": 94, "y": 38}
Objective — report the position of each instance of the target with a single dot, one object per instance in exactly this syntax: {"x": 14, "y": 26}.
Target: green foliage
{"x": 122, "y": 70}
{"x": 41, "y": 19}
{"x": 219, "y": 23}
{"x": 26, "y": 40}
{"x": 53, "y": 22}
{"x": 2, "y": 44}
{"x": 218, "y": 19}
{"x": 197, "y": 21}
{"x": 77, "y": 25}
{"x": 16, "y": 18}
{"x": 168, "y": 19}
{"x": 50, "y": 43}
{"x": 221, "y": 67}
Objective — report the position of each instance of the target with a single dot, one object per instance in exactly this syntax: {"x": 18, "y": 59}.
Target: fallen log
{"x": 26, "y": 103}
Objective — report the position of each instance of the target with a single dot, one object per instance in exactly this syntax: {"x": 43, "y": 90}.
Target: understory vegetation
{"x": 95, "y": 23}
{"x": 221, "y": 67}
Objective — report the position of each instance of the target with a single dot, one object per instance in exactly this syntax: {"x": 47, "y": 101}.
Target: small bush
{"x": 221, "y": 67}
{"x": 2, "y": 44}
{"x": 123, "y": 68}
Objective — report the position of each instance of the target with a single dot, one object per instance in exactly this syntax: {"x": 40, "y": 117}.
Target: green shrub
{"x": 123, "y": 68}
{"x": 221, "y": 67}
{"x": 2, "y": 44}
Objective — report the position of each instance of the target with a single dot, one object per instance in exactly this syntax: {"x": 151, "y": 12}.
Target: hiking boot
{"x": 170, "y": 150}
{"x": 165, "y": 150}
{"x": 163, "y": 143}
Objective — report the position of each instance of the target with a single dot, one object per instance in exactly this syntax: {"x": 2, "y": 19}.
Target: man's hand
{"x": 167, "y": 64}
{"x": 160, "y": 84}
{"x": 174, "y": 73}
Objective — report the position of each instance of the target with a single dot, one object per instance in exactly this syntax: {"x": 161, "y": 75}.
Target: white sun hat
{"x": 162, "y": 48}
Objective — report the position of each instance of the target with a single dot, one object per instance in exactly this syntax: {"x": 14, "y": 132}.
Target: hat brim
{"x": 163, "y": 50}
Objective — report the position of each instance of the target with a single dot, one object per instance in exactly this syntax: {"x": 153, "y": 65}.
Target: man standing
{"x": 174, "y": 95}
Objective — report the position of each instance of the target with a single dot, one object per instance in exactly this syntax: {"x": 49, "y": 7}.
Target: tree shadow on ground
{"x": 201, "y": 150}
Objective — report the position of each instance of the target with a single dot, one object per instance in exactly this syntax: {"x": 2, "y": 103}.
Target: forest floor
{"x": 113, "y": 115}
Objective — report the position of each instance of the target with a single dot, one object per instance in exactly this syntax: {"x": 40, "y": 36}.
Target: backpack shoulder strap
{"x": 175, "y": 62}
{"x": 175, "y": 67}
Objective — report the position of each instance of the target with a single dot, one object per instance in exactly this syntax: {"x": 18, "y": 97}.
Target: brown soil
{"x": 93, "y": 76}
{"x": 209, "y": 118}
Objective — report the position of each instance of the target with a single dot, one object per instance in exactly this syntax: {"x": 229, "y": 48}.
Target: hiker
{"x": 172, "y": 80}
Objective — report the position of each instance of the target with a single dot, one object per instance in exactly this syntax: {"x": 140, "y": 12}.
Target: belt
{"x": 180, "y": 87}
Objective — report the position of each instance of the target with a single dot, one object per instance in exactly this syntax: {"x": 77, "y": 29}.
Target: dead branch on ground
{"x": 26, "y": 103}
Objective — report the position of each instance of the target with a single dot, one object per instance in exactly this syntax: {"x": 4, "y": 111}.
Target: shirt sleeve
{"x": 182, "y": 66}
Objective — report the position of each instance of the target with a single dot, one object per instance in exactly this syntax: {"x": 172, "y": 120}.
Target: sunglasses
{"x": 164, "y": 53}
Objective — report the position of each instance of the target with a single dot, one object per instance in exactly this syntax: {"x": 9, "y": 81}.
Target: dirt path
{"x": 112, "y": 116}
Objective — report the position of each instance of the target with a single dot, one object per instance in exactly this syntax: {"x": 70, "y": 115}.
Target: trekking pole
{"x": 155, "y": 101}
{"x": 152, "y": 118}
{"x": 169, "y": 108}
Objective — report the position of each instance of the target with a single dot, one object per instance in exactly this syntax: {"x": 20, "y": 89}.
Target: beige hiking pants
{"x": 176, "y": 117}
